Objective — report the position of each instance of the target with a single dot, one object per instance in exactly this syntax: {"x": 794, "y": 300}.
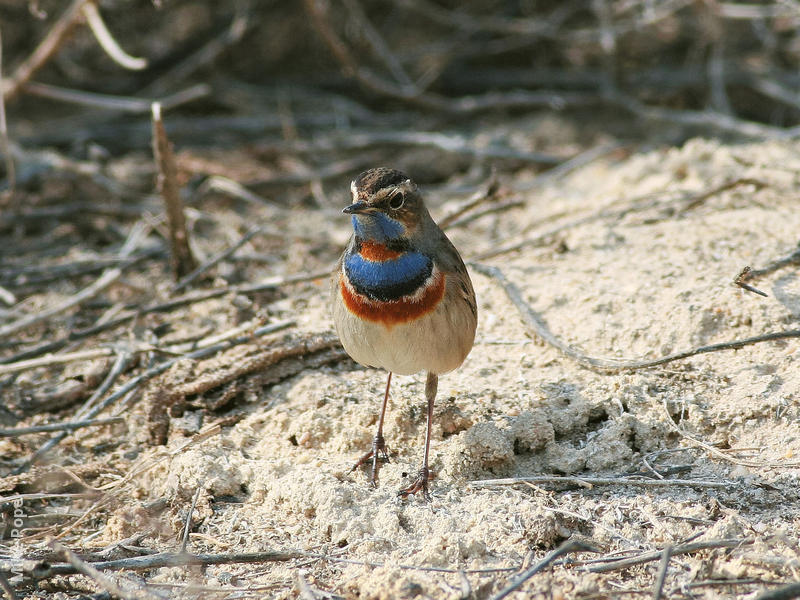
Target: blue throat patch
{"x": 388, "y": 280}
{"x": 377, "y": 226}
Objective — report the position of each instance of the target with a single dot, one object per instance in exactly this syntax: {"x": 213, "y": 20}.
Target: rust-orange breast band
{"x": 394, "y": 312}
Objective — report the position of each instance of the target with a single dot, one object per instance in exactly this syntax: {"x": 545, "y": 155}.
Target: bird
{"x": 402, "y": 299}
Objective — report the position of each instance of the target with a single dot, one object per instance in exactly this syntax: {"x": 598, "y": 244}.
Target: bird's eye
{"x": 396, "y": 201}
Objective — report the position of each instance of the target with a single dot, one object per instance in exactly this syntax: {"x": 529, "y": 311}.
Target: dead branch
{"x": 661, "y": 576}
{"x": 107, "y": 41}
{"x": 489, "y": 210}
{"x": 5, "y": 585}
{"x": 89, "y": 410}
{"x": 588, "y": 482}
{"x": 646, "y": 557}
{"x": 317, "y": 11}
{"x": 449, "y": 143}
{"x": 222, "y": 373}
{"x": 105, "y": 582}
{"x": 568, "y": 547}
{"x": 42, "y": 570}
{"x": 46, "y": 49}
{"x": 379, "y": 46}
{"x": 637, "y": 205}
{"x": 538, "y": 327}
{"x": 188, "y": 524}
{"x": 719, "y": 453}
{"x": 71, "y": 426}
{"x": 183, "y": 262}
{"x": 785, "y": 592}
{"x": 487, "y": 193}
{"x": 135, "y": 237}
{"x": 7, "y": 297}
{"x": 215, "y": 260}
{"x": 117, "y": 103}
{"x": 24, "y": 365}
{"x": 702, "y": 118}
{"x": 748, "y": 274}
{"x": 5, "y": 146}
{"x": 271, "y": 283}
{"x": 206, "y": 54}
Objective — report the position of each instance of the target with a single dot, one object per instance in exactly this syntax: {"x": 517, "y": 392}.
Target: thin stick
{"x": 183, "y": 262}
{"x": 646, "y": 557}
{"x": 46, "y": 49}
{"x": 7, "y": 297}
{"x": 39, "y": 570}
{"x": 537, "y": 326}
{"x": 661, "y": 576}
{"x": 317, "y": 11}
{"x": 147, "y": 375}
{"x": 205, "y": 55}
{"x": 450, "y": 143}
{"x": 106, "y": 582}
{"x": 85, "y": 412}
{"x": 376, "y": 40}
{"x": 126, "y": 104}
{"x": 791, "y": 259}
{"x": 785, "y": 592}
{"x": 184, "y": 281}
{"x": 271, "y": 283}
{"x": 482, "y": 195}
{"x": 188, "y": 526}
{"x": 69, "y": 426}
{"x": 138, "y": 232}
{"x": 718, "y": 453}
{"x": 6, "y": 587}
{"x": 5, "y": 146}
{"x": 107, "y": 41}
{"x": 57, "y": 359}
{"x": 591, "y": 481}
{"x": 567, "y": 547}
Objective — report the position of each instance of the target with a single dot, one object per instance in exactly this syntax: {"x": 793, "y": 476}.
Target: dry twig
{"x": 588, "y": 482}
{"x": 661, "y": 576}
{"x": 182, "y": 260}
{"x": 107, "y": 41}
{"x": 5, "y": 146}
{"x": 221, "y": 374}
{"x": 785, "y": 592}
{"x": 537, "y": 326}
{"x": 215, "y": 260}
{"x": 126, "y": 104}
{"x": 69, "y": 426}
{"x": 571, "y": 545}
{"x": 106, "y": 582}
{"x": 46, "y": 49}
{"x": 646, "y": 557}
{"x": 137, "y": 234}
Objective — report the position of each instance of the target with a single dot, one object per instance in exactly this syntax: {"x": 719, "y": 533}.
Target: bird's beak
{"x": 356, "y": 208}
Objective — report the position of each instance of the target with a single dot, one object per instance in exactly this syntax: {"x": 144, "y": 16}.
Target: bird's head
{"x": 386, "y": 205}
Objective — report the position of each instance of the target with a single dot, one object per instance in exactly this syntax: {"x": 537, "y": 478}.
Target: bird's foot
{"x": 378, "y": 451}
{"x": 420, "y": 484}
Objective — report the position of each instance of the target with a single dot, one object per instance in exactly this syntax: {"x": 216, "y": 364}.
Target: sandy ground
{"x": 640, "y": 264}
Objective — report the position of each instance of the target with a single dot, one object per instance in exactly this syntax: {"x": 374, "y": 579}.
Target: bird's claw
{"x": 376, "y": 453}
{"x": 420, "y": 484}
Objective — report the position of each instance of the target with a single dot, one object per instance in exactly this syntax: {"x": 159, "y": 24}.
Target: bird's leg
{"x": 378, "y": 443}
{"x": 421, "y": 482}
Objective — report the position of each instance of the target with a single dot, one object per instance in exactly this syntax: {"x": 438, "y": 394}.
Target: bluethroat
{"x": 402, "y": 298}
